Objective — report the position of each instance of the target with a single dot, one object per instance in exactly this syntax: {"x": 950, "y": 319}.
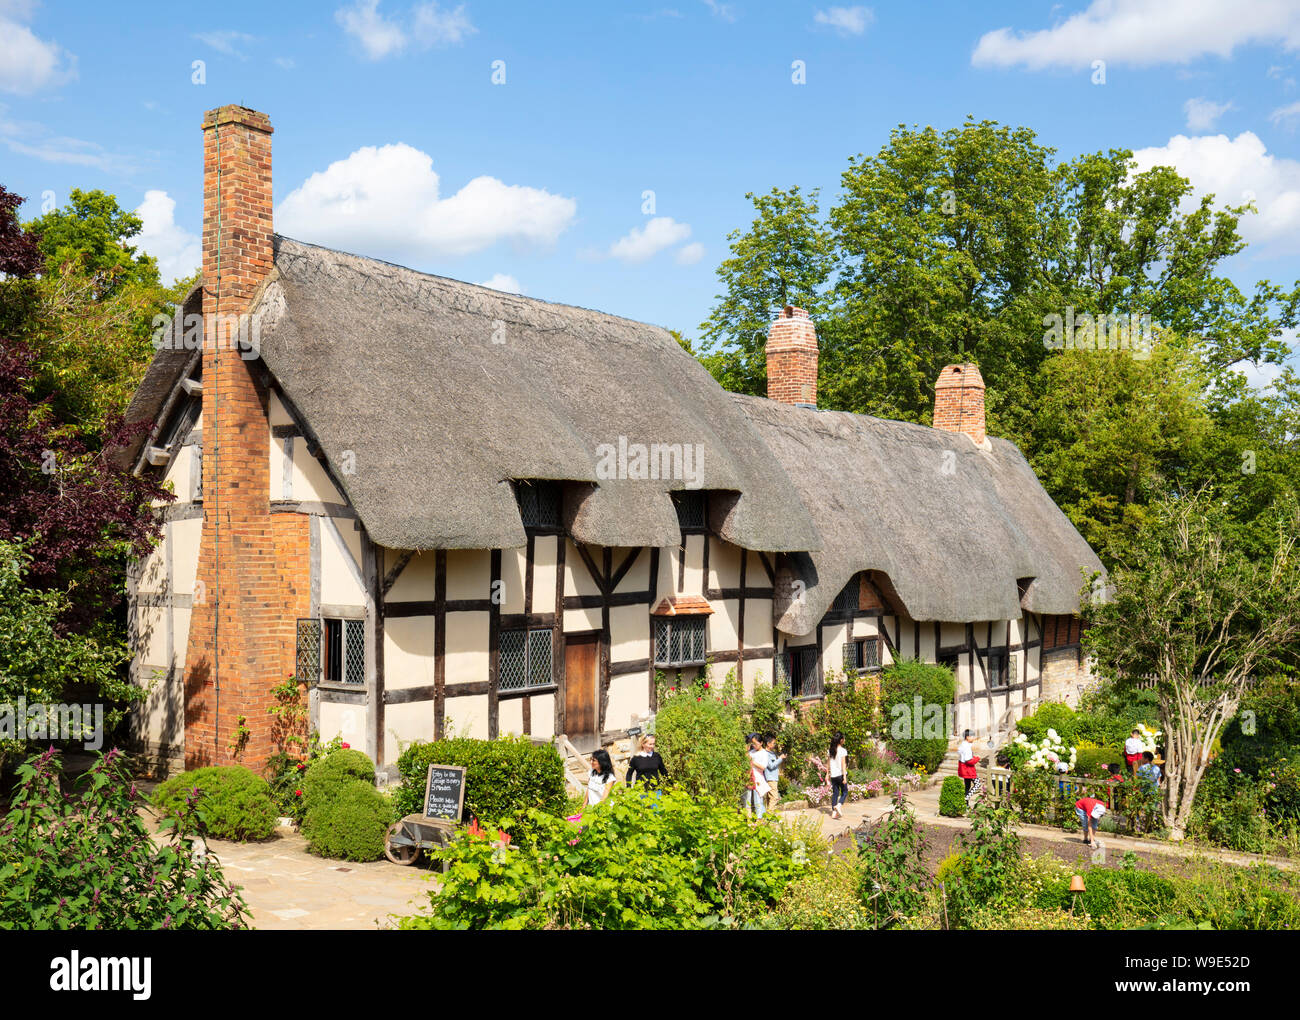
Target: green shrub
{"x": 1051, "y": 716}
{"x": 952, "y": 797}
{"x": 894, "y": 883}
{"x": 1231, "y": 898}
{"x": 990, "y": 852}
{"x": 826, "y": 901}
{"x": 1231, "y": 813}
{"x": 911, "y": 738}
{"x": 326, "y": 777}
{"x": 1111, "y": 895}
{"x": 703, "y": 744}
{"x": 1092, "y": 761}
{"x": 502, "y": 777}
{"x": 87, "y": 859}
{"x": 233, "y": 803}
{"x": 640, "y": 860}
{"x": 350, "y": 824}
{"x": 850, "y": 708}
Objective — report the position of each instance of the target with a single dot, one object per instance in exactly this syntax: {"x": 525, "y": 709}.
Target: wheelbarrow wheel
{"x": 398, "y": 853}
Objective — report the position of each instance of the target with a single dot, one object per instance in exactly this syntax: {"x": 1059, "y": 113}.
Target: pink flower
{"x": 345, "y": 746}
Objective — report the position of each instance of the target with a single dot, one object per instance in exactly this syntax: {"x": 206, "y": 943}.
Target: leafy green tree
{"x": 95, "y": 232}
{"x": 1202, "y": 617}
{"x": 785, "y": 258}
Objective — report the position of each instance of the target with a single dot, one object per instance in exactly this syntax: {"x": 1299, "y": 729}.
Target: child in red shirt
{"x": 1090, "y": 811}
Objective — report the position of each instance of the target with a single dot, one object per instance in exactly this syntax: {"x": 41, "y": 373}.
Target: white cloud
{"x": 285, "y": 63}
{"x": 641, "y": 243}
{"x": 720, "y": 10}
{"x": 1236, "y": 171}
{"x": 1285, "y": 114}
{"x": 227, "y": 41}
{"x": 504, "y": 282}
{"x": 689, "y": 254}
{"x": 28, "y": 138}
{"x": 1202, "y": 113}
{"x": 28, "y": 63}
{"x": 427, "y": 25}
{"x": 1141, "y": 33}
{"x": 846, "y": 20}
{"x": 386, "y": 201}
{"x": 434, "y": 27}
{"x": 179, "y": 253}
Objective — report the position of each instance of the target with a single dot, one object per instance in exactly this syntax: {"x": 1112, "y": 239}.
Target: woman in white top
{"x": 966, "y": 761}
{"x": 602, "y": 777}
{"x": 839, "y": 759}
{"x": 758, "y": 758}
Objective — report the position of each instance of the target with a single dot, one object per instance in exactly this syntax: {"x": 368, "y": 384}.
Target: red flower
{"x": 503, "y": 836}
{"x": 302, "y": 765}
{"x": 297, "y": 793}
{"x": 475, "y": 829}
{"x": 345, "y": 746}
{"x": 706, "y": 685}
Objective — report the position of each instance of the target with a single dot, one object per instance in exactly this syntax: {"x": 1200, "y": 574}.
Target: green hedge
{"x": 350, "y": 824}
{"x": 1051, "y": 716}
{"x": 900, "y": 683}
{"x": 952, "y": 797}
{"x": 502, "y": 777}
{"x": 234, "y": 803}
{"x": 1092, "y": 761}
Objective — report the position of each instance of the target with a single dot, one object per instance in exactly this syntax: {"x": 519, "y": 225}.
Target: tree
{"x": 1194, "y": 612}
{"x": 94, "y": 231}
{"x": 784, "y": 259}
{"x": 20, "y": 255}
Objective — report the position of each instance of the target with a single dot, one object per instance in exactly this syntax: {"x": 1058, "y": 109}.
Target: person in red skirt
{"x": 966, "y": 761}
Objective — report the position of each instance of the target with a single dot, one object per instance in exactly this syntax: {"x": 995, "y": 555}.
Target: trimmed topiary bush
{"x": 350, "y": 824}
{"x": 952, "y": 797}
{"x": 327, "y": 776}
{"x": 233, "y": 803}
{"x": 502, "y": 777}
{"x": 923, "y": 739}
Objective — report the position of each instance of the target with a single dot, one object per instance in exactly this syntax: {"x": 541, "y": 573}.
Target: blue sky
{"x": 391, "y": 138}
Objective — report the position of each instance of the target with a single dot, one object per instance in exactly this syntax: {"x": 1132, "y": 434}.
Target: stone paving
{"x": 286, "y": 888}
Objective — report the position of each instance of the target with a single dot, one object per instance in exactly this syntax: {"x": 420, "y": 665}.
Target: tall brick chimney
{"x": 959, "y": 401}
{"x": 792, "y": 358}
{"x": 237, "y": 627}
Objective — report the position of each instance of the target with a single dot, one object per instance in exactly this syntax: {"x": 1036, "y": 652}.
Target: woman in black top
{"x": 646, "y": 767}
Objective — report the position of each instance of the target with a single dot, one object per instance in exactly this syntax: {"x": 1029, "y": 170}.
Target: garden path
{"x": 286, "y": 888}
{"x": 925, "y": 803}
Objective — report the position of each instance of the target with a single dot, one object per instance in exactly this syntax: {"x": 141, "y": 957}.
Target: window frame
{"x": 700, "y": 620}
{"x": 535, "y": 487}
{"x": 794, "y": 656}
{"x": 529, "y": 688}
{"x": 333, "y": 664}
{"x": 679, "y": 496}
{"x": 1002, "y": 656}
{"x": 859, "y": 654}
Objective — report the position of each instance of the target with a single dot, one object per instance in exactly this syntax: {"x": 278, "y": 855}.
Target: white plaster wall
{"x": 637, "y": 577}
{"x": 629, "y": 633}
{"x": 543, "y": 712}
{"x": 545, "y": 550}
{"x": 628, "y": 696}
{"x": 348, "y": 722}
{"x": 408, "y": 652}
{"x": 724, "y": 564}
{"x": 340, "y": 583}
{"x": 722, "y": 625}
{"x": 513, "y": 565}
{"x": 468, "y": 716}
{"x": 416, "y": 582}
{"x": 467, "y": 649}
{"x": 469, "y": 574}
{"x": 404, "y": 724}
{"x": 510, "y": 715}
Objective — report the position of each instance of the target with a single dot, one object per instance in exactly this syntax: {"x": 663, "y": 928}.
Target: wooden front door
{"x": 581, "y": 670}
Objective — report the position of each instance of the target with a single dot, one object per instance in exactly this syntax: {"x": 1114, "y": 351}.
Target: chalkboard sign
{"x": 444, "y": 792}
{"x": 634, "y": 731}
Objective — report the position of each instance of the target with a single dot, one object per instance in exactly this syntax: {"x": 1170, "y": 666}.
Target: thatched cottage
{"x": 450, "y": 508}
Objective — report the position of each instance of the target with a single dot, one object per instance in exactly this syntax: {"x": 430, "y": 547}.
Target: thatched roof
{"x": 956, "y": 528}
{"x": 439, "y": 393}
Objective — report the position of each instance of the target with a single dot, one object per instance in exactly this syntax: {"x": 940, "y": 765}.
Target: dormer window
{"x": 692, "y": 510}
{"x": 539, "y": 504}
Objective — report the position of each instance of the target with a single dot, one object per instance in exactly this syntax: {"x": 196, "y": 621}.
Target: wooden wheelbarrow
{"x": 405, "y": 839}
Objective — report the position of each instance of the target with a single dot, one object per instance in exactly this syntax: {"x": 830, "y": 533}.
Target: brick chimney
{"x": 792, "y": 358}
{"x": 238, "y": 631}
{"x": 959, "y": 401}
